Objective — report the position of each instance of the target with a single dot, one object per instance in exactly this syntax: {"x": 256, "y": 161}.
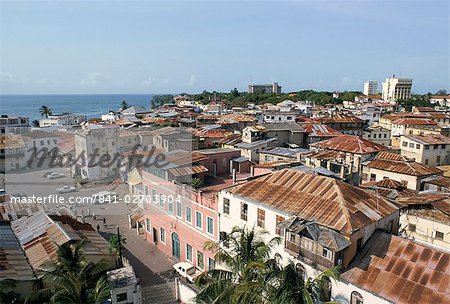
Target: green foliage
{"x": 159, "y": 100}
{"x": 45, "y": 111}
{"x": 124, "y": 105}
{"x": 114, "y": 244}
{"x": 7, "y": 294}
{"x": 73, "y": 279}
{"x": 416, "y": 100}
{"x": 249, "y": 275}
{"x": 35, "y": 123}
{"x": 197, "y": 183}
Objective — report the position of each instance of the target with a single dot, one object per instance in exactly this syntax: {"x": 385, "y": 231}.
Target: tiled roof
{"x": 440, "y": 181}
{"x": 350, "y": 143}
{"x": 331, "y": 203}
{"x": 401, "y": 271}
{"x": 399, "y": 164}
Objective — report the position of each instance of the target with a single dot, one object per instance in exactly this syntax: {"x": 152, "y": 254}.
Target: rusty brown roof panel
{"x": 350, "y": 143}
{"x": 331, "y": 203}
{"x": 387, "y": 268}
{"x": 391, "y": 162}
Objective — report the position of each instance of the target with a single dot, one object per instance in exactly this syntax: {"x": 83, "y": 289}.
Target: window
{"x": 411, "y": 145}
{"x": 198, "y": 220}
{"x": 412, "y": 227}
{"x": 148, "y": 225}
{"x": 154, "y": 198}
{"x": 188, "y": 214}
{"x": 244, "y": 211}
{"x": 211, "y": 264}
{"x": 356, "y": 298}
{"x": 426, "y": 161}
{"x": 121, "y": 297}
{"x": 209, "y": 225}
{"x": 200, "y": 260}
{"x": 417, "y": 146}
{"x": 435, "y": 147}
{"x": 179, "y": 209}
{"x": 404, "y": 144}
{"x": 438, "y": 159}
{"x": 326, "y": 253}
{"x": 161, "y": 201}
{"x": 170, "y": 203}
{"x": 226, "y": 206}
{"x": 189, "y": 253}
{"x": 427, "y": 147}
{"x": 162, "y": 235}
{"x": 439, "y": 236}
{"x": 278, "y": 220}
{"x": 442, "y": 146}
{"x": 261, "y": 218}
{"x": 385, "y": 135}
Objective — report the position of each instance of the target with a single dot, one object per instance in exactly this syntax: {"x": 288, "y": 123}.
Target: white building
{"x": 395, "y": 88}
{"x": 64, "y": 119}
{"x": 14, "y": 124}
{"x": 370, "y": 88}
{"x": 432, "y": 149}
{"x": 92, "y": 143}
{"x": 39, "y": 144}
{"x": 125, "y": 287}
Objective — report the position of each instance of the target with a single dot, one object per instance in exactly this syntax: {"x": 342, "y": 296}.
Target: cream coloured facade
{"x": 370, "y": 88}
{"x": 423, "y": 226}
{"x": 397, "y": 88}
{"x": 428, "y": 150}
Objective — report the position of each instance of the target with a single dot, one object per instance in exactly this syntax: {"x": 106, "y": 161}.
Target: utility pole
{"x": 120, "y": 248}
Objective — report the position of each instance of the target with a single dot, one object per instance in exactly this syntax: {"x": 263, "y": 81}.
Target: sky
{"x": 95, "y": 47}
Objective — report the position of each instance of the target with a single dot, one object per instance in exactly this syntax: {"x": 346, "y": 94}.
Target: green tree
{"x": 235, "y": 92}
{"x": 124, "y": 105}
{"x": 73, "y": 279}
{"x": 7, "y": 294}
{"x": 441, "y": 92}
{"x": 35, "y": 123}
{"x": 197, "y": 183}
{"x": 45, "y": 111}
{"x": 246, "y": 250}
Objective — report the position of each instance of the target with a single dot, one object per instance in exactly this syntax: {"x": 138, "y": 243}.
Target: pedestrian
{"x": 104, "y": 221}
{"x": 98, "y": 227}
{"x": 94, "y": 216}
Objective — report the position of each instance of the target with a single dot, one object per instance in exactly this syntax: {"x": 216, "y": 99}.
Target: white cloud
{"x": 192, "y": 80}
{"x": 94, "y": 79}
{"x": 147, "y": 82}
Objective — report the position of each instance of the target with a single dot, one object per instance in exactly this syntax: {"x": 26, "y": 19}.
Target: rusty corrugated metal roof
{"x": 189, "y": 170}
{"x": 430, "y": 139}
{"x": 329, "y": 202}
{"x": 350, "y": 143}
{"x": 401, "y": 271}
{"x": 395, "y": 163}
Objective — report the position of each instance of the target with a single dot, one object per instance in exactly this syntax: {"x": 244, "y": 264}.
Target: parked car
{"x": 66, "y": 189}
{"x": 47, "y": 173}
{"x": 105, "y": 197}
{"x": 55, "y": 175}
{"x": 187, "y": 271}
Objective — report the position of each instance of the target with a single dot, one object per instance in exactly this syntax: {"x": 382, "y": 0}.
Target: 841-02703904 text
{"x": 156, "y": 198}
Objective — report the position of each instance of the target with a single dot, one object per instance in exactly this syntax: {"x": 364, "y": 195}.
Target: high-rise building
{"x": 395, "y": 88}
{"x": 264, "y": 88}
{"x": 370, "y": 88}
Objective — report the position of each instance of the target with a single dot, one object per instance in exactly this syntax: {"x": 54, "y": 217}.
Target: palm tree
{"x": 251, "y": 276}
{"x": 7, "y": 294}
{"x": 45, "y": 111}
{"x": 289, "y": 285}
{"x": 245, "y": 251}
{"x": 72, "y": 279}
{"x": 124, "y": 105}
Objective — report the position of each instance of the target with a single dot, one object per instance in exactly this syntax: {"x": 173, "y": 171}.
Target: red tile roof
{"x": 401, "y": 271}
{"x": 414, "y": 121}
{"x": 350, "y": 143}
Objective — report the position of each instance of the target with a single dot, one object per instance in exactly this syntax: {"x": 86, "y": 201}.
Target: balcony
{"x": 307, "y": 256}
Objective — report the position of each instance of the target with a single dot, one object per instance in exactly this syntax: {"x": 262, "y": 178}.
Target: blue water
{"x": 91, "y": 105}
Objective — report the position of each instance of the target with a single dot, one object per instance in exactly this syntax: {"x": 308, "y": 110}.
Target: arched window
{"x": 356, "y": 298}
{"x": 278, "y": 258}
{"x": 301, "y": 270}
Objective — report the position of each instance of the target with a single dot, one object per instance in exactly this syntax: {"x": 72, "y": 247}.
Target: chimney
{"x": 252, "y": 171}
{"x": 234, "y": 176}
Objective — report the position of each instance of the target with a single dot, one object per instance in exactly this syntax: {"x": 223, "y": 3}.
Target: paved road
{"x": 150, "y": 265}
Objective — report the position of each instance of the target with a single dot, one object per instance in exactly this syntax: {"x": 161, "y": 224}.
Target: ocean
{"x": 91, "y": 105}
